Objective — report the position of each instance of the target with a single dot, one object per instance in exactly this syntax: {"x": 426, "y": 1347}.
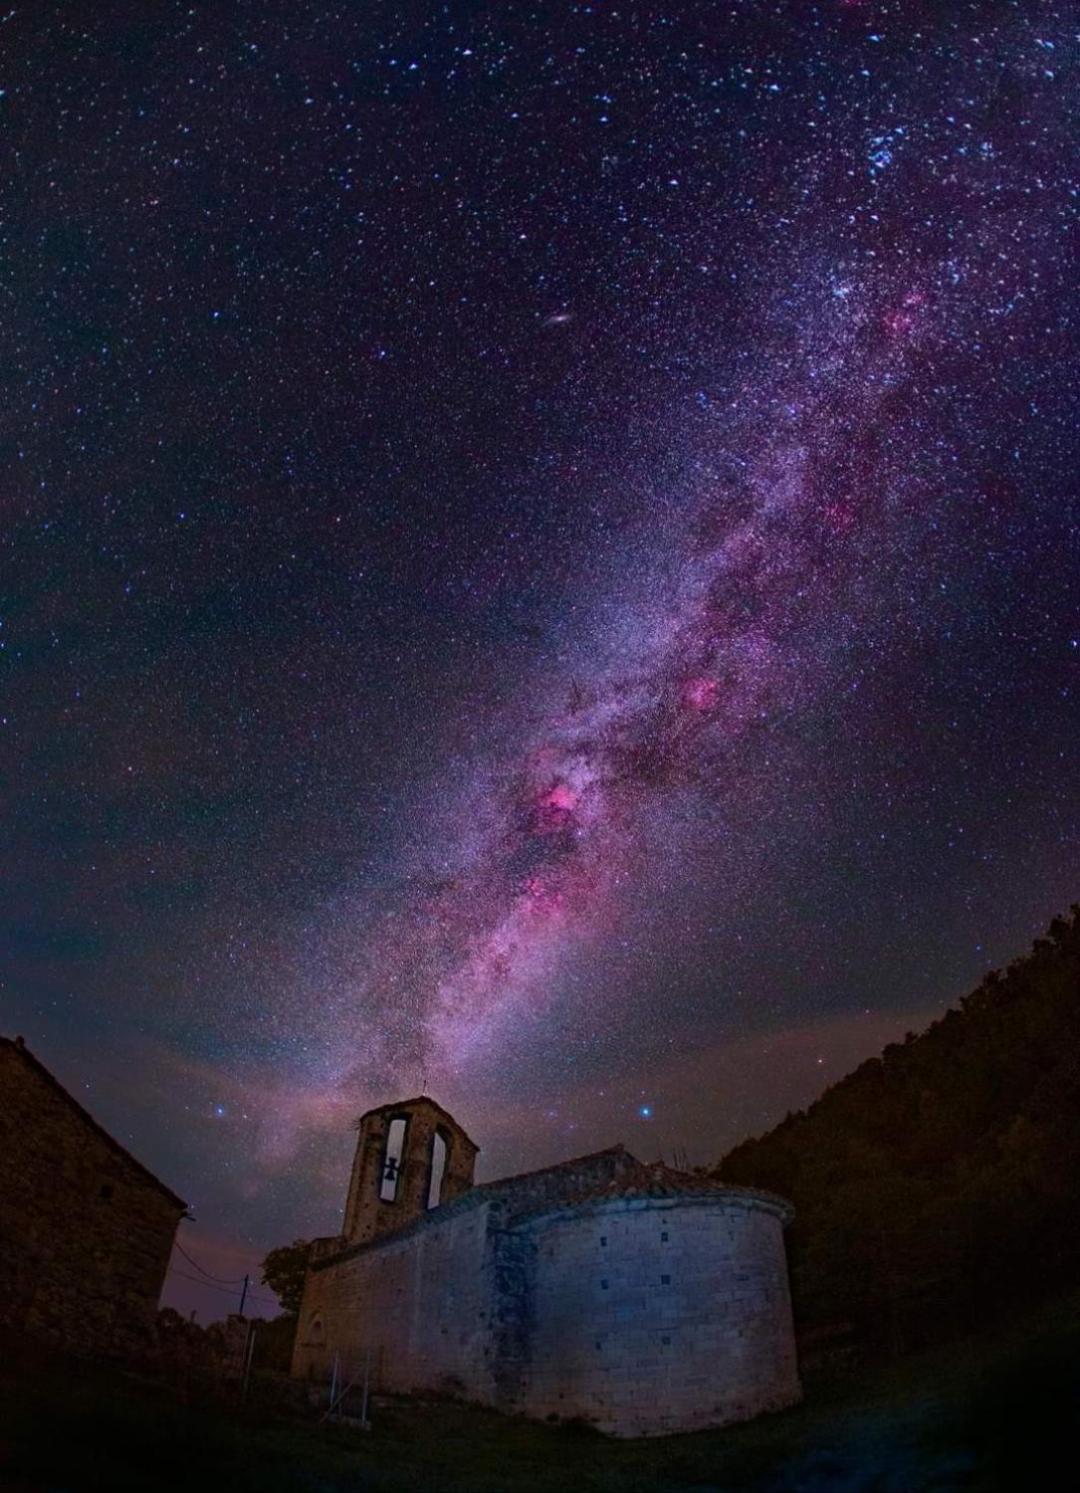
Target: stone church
{"x": 638, "y": 1298}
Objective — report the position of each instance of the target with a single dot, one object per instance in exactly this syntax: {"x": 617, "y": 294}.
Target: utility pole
{"x": 365, "y": 1424}
{"x": 248, "y": 1356}
{"x": 243, "y": 1293}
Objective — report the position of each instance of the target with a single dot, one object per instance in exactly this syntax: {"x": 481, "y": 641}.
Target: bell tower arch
{"x": 411, "y": 1156}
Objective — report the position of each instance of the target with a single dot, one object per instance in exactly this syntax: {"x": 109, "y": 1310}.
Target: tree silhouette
{"x": 283, "y": 1270}
{"x": 938, "y": 1183}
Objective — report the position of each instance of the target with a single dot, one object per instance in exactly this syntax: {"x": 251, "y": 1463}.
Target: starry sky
{"x": 538, "y": 562}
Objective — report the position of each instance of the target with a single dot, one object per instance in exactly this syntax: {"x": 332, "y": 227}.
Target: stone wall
{"x": 422, "y": 1303}
{"x": 85, "y": 1231}
{"x": 656, "y": 1315}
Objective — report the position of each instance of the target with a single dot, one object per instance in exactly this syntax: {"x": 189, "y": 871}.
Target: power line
{"x": 226, "y": 1290}
{"x": 239, "y": 1281}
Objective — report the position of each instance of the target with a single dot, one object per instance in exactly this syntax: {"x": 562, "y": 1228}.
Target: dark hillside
{"x": 939, "y": 1182}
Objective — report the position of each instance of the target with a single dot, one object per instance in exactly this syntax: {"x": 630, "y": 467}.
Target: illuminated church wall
{"x": 638, "y": 1298}
{"x": 661, "y": 1314}
{"x": 419, "y": 1304}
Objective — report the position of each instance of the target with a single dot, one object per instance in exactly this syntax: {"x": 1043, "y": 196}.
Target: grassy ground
{"x": 995, "y": 1413}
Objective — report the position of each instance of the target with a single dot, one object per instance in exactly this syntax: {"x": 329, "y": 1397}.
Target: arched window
{"x": 391, "y": 1167}
{"x": 316, "y": 1332}
{"x": 440, "y": 1150}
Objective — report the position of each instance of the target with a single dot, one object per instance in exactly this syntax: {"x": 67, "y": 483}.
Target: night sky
{"x": 538, "y": 560}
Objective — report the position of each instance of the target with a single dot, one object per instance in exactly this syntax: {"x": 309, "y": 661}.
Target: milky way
{"x": 806, "y": 493}
{"x": 764, "y": 574}
{"x": 539, "y": 562}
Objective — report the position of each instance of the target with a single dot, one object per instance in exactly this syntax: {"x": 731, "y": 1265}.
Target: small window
{"x": 663, "y": 1237}
{"x": 603, "y": 1242}
{"x": 665, "y": 1280}
{"x": 437, "y": 1170}
{"x": 603, "y": 1285}
{"x": 316, "y": 1332}
{"x": 106, "y": 1190}
{"x": 391, "y": 1167}
{"x": 666, "y": 1341}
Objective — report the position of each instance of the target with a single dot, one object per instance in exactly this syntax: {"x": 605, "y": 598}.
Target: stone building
{"x": 638, "y": 1298}
{"x": 85, "y": 1230}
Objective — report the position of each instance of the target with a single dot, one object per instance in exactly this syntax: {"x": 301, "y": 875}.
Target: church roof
{"x": 618, "y": 1154}
{"x": 641, "y": 1180}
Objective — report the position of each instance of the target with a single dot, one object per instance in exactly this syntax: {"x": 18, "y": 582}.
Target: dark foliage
{"x": 274, "y": 1343}
{"x": 190, "y": 1358}
{"x": 283, "y": 1270}
{"x": 938, "y": 1183}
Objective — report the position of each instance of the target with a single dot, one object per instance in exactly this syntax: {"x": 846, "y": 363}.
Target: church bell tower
{"x": 410, "y": 1157}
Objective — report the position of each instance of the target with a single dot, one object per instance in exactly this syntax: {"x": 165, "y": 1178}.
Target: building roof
{"x": 18, "y": 1046}
{"x": 640, "y": 1180}
{"x": 618, "y": 1153}
{"x": 629, "y": 1178}
{"x": 396, "y": 1104}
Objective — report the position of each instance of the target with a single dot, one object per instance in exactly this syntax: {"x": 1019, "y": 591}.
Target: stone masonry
{"x": 85, "y": 1230}
{"x": 640, "y": 1299}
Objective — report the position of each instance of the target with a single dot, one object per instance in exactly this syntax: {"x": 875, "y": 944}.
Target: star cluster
{"x": 539, "y": 560}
